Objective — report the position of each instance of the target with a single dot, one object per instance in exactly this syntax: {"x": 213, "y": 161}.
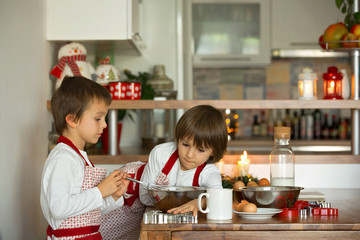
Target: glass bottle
{"x": 256, "y": 127}
{"x": 263, "y": 125}
{"x": 282, "y": 159}
{"x": 325, "y": 129}
{"x": 302, "y": 124}
{"x": 317, "y": 124}
{"x": 296, "y": 127}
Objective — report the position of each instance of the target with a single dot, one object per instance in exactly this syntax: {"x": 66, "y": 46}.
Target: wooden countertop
{"x": 346, "y": 224}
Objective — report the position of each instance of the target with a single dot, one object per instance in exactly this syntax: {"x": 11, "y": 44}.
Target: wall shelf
{"x": 235, "y": 104}
{"x": 255, "y": 159}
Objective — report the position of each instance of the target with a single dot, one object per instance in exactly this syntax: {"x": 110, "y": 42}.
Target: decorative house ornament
{"x": 106, "y": 73}
{"x": 72, "y": 62}
{"x": 332, "y": 84}
{"x": 307, "y": 85}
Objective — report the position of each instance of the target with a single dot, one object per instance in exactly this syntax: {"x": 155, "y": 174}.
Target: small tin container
{"x": 133, "y": 91}
{"x": 118, "y": 90}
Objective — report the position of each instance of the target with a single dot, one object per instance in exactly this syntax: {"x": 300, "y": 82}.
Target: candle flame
{"x": 332, "y": 84}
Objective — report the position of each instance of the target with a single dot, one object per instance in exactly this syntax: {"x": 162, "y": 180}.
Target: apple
{"x": 321, "y": 40}
{"x": 355, "y": 29}
{"x": 349, "y": 37}
{"x": 334, "y": 32}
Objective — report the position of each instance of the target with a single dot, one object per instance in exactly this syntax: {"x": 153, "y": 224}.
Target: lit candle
{"x": 308, "y": 89}
{"x": 243, "y": 165}
{"x": 331, "y": 87}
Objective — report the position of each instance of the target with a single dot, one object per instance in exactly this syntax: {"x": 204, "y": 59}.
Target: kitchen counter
{"x": 344, "y": 226}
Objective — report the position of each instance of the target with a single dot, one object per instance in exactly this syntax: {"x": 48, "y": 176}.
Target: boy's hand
{"x": 191, "y": 206}
{"x": 112, "y": 183}
{"x": 123, "y": 187}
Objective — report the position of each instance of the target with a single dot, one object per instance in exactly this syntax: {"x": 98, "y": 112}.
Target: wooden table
{"x": 344, "y": 226}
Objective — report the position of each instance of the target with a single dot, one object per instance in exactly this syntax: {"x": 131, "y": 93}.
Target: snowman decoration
{"x": 72, "y": 62}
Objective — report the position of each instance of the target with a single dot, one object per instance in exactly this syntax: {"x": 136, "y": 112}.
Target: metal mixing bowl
{"x": 167, "y": 197}
{"x": 269, "y": 196}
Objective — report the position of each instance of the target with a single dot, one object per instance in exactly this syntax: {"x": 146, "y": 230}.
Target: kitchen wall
{"x": 24, "y": 119}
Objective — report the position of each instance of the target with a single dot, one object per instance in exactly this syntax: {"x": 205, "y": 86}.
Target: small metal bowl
{"x": 269, "y": 196}
{"x": 168, "y": 197}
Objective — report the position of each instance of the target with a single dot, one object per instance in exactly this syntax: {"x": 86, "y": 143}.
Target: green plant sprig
{"x": 346, "y": 7}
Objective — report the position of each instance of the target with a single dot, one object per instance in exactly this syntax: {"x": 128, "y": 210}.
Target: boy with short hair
{"x": 74, "y": 193}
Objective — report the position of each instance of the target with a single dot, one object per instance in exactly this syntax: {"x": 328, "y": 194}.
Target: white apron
{"x": 84, "y": 226}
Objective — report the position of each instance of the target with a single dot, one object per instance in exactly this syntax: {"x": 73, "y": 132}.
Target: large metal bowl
{"x": 167, "y": 197}
{"x": 269, "y": 196}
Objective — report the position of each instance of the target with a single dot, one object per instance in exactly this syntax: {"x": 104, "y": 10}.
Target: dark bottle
{"x": 325, "y": 130}
{"x": 342, "y": 129}
{"x": 317, "y": 124}
{"x": 309, "y": 125}
{"x": 334, "y": 129}
{"x": 279, "y": 121}
{"x": 270, "y": 123}
{"x": 296, "y": 127}
{"x": 263, "y": 124}
{"x": 287, "y": 120}
{"x": 348, "y": 130}
{"x": 302, "y": 124}
{"x": 256, "y": 127}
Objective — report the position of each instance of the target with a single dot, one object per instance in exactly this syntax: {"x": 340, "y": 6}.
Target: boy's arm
{"x": 64, "y": 177}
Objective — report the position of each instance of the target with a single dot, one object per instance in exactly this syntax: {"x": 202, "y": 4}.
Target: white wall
{"x": 24, "y": 118}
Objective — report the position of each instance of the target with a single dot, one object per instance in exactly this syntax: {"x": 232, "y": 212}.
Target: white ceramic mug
{"x": 219, "y": 204}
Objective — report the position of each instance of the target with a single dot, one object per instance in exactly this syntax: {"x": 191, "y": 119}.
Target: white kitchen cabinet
{"x": 89, "y": 20}
{"x": 298, "y": 24}
{"x": 230, "y": 33}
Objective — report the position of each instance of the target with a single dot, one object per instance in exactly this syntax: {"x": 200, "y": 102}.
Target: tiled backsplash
{"x": 276, "y": 81}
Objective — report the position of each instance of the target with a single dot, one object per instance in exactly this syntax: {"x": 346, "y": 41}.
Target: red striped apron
{"x": 124, "y": 222}
{"x": 84, "y": 226}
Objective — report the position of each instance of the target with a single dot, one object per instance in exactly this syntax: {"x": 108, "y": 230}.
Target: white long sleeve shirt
{"x": 210, "y": 176}
{"x": 61, "y": 196}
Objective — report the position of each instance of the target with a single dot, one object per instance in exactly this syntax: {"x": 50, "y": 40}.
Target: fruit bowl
{"x": 269, "y": 196}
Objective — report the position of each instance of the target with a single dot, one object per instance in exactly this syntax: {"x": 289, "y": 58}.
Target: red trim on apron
{"x": 134, "y": 193}
{"x": 170, "y": 163}
{"x": 172, "y": 160}
{"x": 67, "y": 141}
{"x": 197, "y": 174}
{"x": 69, "y": 232}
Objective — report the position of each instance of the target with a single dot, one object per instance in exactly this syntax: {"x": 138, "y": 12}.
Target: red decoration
{"x": 118, "y": 90}
{"x": 332, "y": 84}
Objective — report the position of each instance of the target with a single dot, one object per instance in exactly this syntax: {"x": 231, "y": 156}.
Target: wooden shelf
{"x": 238, "y": 104}
{"x": 235, "y": 104}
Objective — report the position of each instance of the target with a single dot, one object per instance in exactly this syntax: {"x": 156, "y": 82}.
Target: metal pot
{"x": 167, "y": 197}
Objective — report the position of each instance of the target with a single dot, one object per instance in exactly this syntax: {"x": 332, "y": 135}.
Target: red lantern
{"x": 332, "y": 84}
